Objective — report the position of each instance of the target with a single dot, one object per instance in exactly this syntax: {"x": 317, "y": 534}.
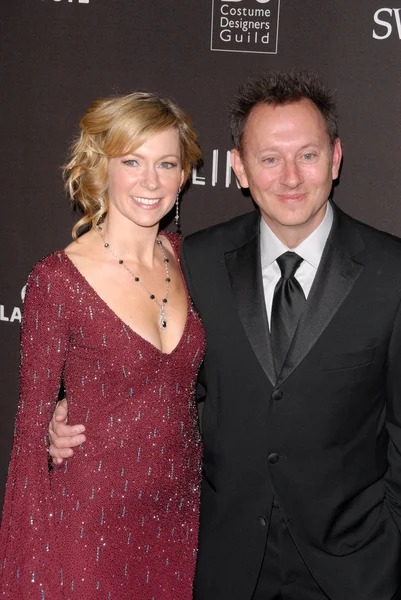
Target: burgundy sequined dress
{"x": 119, "y": 520}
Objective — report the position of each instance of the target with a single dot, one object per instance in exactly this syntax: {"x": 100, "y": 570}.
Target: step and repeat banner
{"x": 59, "y": 55}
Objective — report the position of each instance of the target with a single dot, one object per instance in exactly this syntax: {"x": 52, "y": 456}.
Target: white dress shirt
{"x": 311, "y": 250}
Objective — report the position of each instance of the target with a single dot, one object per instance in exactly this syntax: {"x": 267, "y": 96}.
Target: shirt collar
{"x": 311, "y": 249}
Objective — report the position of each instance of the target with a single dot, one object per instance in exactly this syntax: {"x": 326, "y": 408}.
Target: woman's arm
{"x": 29, "y": 562}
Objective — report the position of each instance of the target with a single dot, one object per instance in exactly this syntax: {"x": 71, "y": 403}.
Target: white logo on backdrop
{"x": 245, "y": 26}
{"x": 219, "y": 172}
{"x": 389, "y": 21}
{"x": 77, "y": 1}
{"x": 9, "y": 315}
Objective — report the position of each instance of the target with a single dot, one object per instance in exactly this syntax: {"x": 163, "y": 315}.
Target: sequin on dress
{"x": 119, "y": 520}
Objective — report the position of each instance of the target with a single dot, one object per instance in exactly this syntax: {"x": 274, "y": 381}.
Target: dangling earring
{"x": 177, "y": 212}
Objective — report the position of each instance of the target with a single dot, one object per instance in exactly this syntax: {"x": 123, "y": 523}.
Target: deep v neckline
{"x": 121, "y": 321}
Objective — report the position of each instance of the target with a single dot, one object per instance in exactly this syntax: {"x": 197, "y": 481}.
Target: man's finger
{"x": 61, "y": 412}
{"x": 58, "y": 454}
{"x": 66, "y": 441}
{"x": 62, "y": 430}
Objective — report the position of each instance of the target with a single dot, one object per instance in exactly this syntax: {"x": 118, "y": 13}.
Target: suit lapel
{"x": 245, "y": 273}
{"x": 337, "y": 274}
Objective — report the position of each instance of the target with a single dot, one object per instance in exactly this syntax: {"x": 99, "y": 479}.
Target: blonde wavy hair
{"x": 113, "y": 127}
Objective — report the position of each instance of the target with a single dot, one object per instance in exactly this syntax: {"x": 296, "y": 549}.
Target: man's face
{"x": 289, "y": 166}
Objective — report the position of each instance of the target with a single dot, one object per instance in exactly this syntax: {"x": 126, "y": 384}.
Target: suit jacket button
{"x": 262, "y": 521}
{"x": 273, "y": 458}
{"x": 277, "y": 394}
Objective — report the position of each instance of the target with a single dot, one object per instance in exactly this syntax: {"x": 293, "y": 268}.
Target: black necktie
{"x": 288, "y": 305}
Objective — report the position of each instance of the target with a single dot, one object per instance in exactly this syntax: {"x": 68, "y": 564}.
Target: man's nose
{"x": 291, "y": 174}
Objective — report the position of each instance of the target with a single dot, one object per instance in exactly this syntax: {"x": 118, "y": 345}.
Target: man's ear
{"x": 337, "y": 157}
{"x": 239, "y": 168}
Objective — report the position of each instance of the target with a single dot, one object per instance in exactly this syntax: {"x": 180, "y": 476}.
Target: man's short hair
{"x": 278, "y": 88}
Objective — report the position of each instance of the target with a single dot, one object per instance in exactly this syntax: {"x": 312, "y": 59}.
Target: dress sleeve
{"x": 30, "y": 567}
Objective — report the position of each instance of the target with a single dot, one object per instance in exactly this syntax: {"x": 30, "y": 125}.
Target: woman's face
{"x": 143, "y": 186}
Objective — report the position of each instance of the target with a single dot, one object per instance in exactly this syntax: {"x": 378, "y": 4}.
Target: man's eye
{"x": 270, "y": 160}
{"x": 309, "y": 156}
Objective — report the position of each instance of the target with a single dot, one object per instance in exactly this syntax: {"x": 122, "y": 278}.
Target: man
{"x": 301, "y": 495}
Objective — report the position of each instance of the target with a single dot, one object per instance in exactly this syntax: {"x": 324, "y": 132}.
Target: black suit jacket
{"x": 332, "y": 415}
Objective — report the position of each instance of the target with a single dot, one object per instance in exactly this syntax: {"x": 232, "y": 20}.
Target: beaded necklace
{"x": 162, "y": 304}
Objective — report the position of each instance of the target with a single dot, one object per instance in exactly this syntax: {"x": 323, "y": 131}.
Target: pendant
{"x": 162, "y": 320}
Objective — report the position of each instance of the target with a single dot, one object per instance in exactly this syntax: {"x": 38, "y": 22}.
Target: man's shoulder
{"x": 377, "y": 238}
{"x": 226, "y": 233}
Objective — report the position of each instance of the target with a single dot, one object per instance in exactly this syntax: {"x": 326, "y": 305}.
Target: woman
{"x": 109, "y": 318}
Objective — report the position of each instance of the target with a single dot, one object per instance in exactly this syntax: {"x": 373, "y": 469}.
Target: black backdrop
{"x": 59, "y": 55}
